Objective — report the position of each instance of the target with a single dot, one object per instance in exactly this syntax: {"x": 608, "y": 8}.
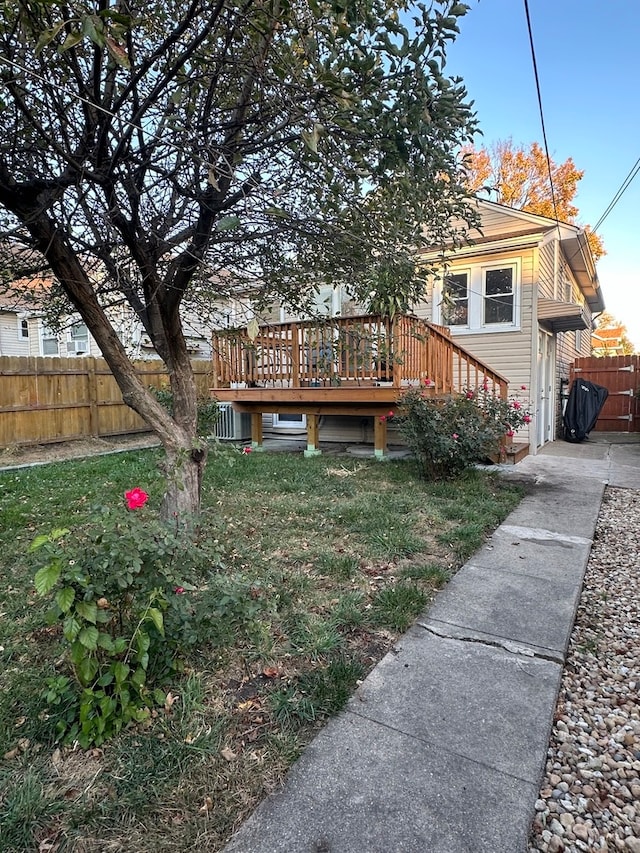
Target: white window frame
{"x": 460, "y": 271}
{"x": 283, "y": 421}
{"x": 23, "y": 329}
{"x": 47, "y": 334}
{"x": 476, "y": 290}
{"x": 485, "y": 298}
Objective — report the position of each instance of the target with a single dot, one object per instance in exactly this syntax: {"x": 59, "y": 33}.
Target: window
{"x": 289, "y": 421}
{"x": 498, "y": 296}
{"x": 480, "y": 298}
{"x": 578, "y": 333}
{"x": 49, "y": 342}
{"x": 23, "y": 329}
{"x": 78, "y": 339}
{"x": 455, "y": 307}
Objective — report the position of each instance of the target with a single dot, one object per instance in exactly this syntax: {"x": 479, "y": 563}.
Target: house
{"x": 521, "y": 296}
{"x": 24, "y": 311}
{"x": 607, "y": 342}
{"x": 14, "y": 328}
{"x": 514, "y": 306}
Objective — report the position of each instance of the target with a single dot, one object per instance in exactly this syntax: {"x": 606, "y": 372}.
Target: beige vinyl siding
{"x": 10, "y": 342}
{"x": 546, "y": 270}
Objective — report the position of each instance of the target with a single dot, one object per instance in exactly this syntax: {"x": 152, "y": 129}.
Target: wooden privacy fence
{"x": 620, "y": 375}
{"x": 44, "y": 400}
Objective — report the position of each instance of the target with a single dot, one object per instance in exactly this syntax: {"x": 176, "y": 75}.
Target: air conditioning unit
{"x": 232, "y": 425}
{"x": 78, "y": 347}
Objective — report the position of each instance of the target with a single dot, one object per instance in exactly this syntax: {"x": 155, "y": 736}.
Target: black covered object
{"x": 585, "y": 403}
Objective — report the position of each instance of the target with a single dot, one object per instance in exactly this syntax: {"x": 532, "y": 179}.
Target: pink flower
{"x": 136, "y": 498}
{"x": 383, "y": 418}
{"x": 527, "y": 419}
{"x": 455, "y": 436}
{"x": 510, "y": 433}
{"x": 517, "y": 404}
{"x": 247, "y": 449}
{"x": 179, "y": 590}
{"x": 470, "y": 395}
{"x": 391, "y": 415}
{"x": 428, "y": 383}
{"x": 523, "y": 387}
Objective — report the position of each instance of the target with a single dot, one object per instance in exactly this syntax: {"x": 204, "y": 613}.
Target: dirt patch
{"x": 41, "y": 454}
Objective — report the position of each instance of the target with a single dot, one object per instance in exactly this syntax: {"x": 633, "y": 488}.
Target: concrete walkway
{"x": 442, "y": 748}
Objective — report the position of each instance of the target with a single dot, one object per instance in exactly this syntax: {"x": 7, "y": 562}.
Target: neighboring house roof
{"x": 608, "y": 340}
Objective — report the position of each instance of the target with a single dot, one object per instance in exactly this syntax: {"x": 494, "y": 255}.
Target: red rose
{"x": 136, "y": 498}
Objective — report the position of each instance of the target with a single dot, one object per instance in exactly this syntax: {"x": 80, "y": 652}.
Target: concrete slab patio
{"x": 442, "y": 748}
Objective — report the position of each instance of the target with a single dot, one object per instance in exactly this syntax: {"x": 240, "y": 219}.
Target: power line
{"x": 622, "y": 189}
{"x": 544, "y": 131}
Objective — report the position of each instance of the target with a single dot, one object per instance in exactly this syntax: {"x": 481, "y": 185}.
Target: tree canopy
{"x": 170, "y": 151}
{"x": 519, "y": 177}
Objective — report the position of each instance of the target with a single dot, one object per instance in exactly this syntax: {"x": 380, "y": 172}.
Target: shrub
{"x": 449, "y": 435}
{"x": 115, "y": 586}
{"x": 208, "y": 411}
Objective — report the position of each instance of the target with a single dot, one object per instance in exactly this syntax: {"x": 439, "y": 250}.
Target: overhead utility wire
{"x": 544, "y": 131}
{"x": 623, "y": 187}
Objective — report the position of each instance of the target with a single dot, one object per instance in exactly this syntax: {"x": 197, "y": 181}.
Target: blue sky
{"x": 588, "y": 55}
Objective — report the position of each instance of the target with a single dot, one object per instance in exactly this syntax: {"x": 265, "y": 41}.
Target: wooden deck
{"x": 342, "y": 366}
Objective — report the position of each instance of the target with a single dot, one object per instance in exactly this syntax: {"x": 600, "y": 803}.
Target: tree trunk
{"x": 184, "y": 469}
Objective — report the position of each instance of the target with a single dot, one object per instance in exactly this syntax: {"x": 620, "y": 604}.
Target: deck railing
{"x": 338, "y": 351}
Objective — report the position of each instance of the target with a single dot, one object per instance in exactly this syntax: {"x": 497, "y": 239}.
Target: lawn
{"x": 316, "y": 566}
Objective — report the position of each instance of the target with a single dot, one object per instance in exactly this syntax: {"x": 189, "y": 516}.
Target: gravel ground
{"x": 590, "y": 796}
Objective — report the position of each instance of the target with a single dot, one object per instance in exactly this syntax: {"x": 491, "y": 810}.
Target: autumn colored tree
{"x": 519, "y": 177}
{"x": 152, "y": 150}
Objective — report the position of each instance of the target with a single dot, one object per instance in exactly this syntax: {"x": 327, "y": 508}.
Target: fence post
{"x": 92, "y": 388}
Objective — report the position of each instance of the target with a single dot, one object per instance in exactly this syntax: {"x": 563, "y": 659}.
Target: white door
{"x": 544, "y": 402}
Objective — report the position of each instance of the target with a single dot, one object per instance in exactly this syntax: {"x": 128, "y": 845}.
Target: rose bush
{"x": 117, "y": 593}
{"x": 448, "y": 435}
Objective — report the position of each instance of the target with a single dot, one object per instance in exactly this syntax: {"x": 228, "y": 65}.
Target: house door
{"x": 544, "y": 402}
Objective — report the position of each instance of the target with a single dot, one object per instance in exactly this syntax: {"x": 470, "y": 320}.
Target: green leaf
{"x": 87, "y": 610}
{"x": 65, "y": 597}
{"x": 71, "y": 40}
{"x": 39, "y": 541}
{"x": 48, "y": 36}
{"x": 227, "y": 223}
{"x": 86, "y": 670}
{"x": 121, "y": 671}
{"x": 156, "y": 617}
{"x": 47, "y": 577}
{"x": 105, "y": 641}
{"x": 139, "y": 677}
{"x": 89, "y": 637}
{"x": 70, "y": 628}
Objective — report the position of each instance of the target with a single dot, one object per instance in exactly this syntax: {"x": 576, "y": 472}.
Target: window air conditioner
{"x": 78, "y": 347}
{"x": 231, "y": 425}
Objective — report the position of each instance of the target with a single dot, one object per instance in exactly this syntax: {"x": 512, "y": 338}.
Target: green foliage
{"x": 207, "y": 409}
{"x": 450, "y": 435}
{"x": 113, "y": 585}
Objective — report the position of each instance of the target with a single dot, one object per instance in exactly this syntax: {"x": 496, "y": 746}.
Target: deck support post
{"x": 313, "y": 433}
{"x": 256, "y": 431}
{"x": 380, "y": 437}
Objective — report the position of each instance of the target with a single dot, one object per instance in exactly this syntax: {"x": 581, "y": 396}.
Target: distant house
{"x": 24, "y": 330}
{"x": 14, "y": 328}
{"x": 606, "y": 342}
{"x": 521, "y": 296}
